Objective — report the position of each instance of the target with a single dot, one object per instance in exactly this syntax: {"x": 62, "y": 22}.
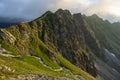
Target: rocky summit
{"x": 59, "y": 46}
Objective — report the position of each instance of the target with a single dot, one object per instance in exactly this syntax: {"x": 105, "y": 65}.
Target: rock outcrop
{"x": 62, "y": 32}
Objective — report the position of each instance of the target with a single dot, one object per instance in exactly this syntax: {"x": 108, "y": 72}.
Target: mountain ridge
{"x": 34, "y": 39}
{"x": 60, "y": 40}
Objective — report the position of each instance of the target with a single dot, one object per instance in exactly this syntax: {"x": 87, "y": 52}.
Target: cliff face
{"x": 62, "y": 32}
{"x": 107, "y": 34}
{"x": 51, "y": 35}
{"x": 90, "y": 38}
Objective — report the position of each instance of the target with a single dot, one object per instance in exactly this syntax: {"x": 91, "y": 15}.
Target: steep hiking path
{"x": 68, "y": 72}
{"x": 45, "y": 65}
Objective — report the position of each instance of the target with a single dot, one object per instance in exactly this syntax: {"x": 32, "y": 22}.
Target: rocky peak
{"x": 65, "y": 14}
{"x": 61, "y": 11}
{"x": 60, "y": 32}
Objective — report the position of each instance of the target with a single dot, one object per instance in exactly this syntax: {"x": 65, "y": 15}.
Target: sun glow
{"x": 115, "y": 11}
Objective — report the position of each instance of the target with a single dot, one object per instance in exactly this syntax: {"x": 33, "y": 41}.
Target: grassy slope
{"x": 25, "y": 65}
{"x": 73, "y": 68}
{"x": 29, "y": 64}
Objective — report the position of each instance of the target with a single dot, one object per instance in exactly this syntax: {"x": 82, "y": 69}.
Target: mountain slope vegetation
{"x": 47, "y": 46}
{"x": 60, "y": 46}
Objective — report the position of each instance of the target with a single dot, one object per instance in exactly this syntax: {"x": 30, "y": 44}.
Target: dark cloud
{"x": 23, "y": 8}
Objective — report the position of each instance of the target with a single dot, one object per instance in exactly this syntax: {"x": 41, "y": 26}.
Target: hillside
{"x": 48, "y": 46}
{"x": 60, "y": 46}
{"x": 108, "y": 35}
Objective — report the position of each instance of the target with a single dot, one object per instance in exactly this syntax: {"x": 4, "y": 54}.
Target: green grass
{"x": 25, "y": 65}
{"x": 9, "y": 48}
{"x": 65, "y": 63}
{"x": 19, "y": 66}
{"x": 41, "y": 51}
{"x": 30, "y": 65}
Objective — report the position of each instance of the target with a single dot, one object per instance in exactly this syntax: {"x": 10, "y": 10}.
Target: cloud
{"x": 30, "y": 9}
{"x": 22, "y": 8}
{"x": 107, "y": 9}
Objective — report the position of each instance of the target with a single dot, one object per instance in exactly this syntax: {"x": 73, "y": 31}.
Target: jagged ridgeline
{"x": 55, "y": 46}
{"x": 52, "y": 45}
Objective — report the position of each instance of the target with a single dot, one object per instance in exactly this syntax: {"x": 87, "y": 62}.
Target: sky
{"x": 31, "y": 9}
